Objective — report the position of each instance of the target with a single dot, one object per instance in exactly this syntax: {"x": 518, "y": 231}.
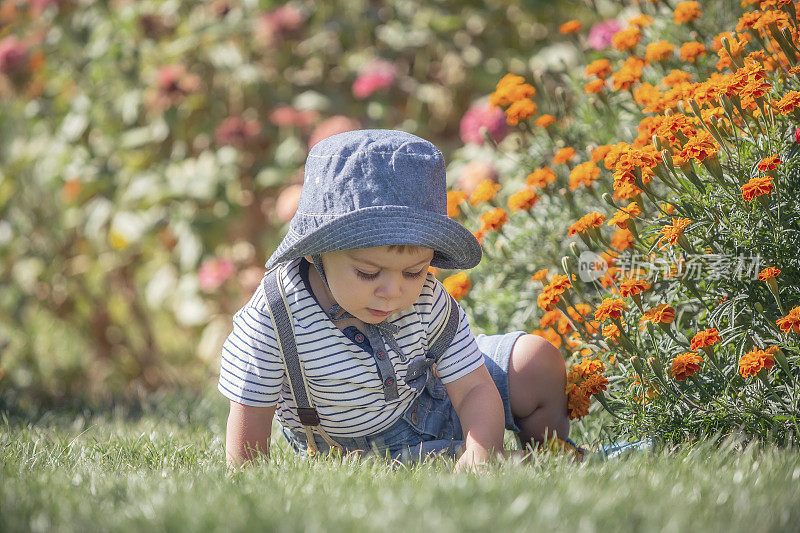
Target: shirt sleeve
{"x": 463, "y": 355}
{"x": 251, "y": 369}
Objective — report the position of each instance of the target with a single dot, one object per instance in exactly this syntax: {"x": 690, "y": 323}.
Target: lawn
{"x": 160, "y": 465}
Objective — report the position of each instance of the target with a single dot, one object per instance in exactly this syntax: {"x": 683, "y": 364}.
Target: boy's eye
{"x": 364, "y": 275}
{"x": 417, "y": 274}
{"x": 410, "y": 275}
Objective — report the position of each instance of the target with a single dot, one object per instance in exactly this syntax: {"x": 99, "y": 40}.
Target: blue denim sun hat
{"x": 369, "y": 188}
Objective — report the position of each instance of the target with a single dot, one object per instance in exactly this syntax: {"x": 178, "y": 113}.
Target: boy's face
{"x": 373, "y": 283}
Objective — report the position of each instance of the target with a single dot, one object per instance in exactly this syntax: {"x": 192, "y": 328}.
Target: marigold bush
{"x": 683, "y": 246}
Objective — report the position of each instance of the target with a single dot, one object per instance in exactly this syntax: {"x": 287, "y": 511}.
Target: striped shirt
{"x": 343, "y": 379}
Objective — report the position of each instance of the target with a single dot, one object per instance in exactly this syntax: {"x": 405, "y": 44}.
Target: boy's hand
{"x": 480, "y": 410}
{"x": 473, "y": 459}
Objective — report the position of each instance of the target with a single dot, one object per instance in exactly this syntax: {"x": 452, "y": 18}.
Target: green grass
{"x": 161, "y": 467}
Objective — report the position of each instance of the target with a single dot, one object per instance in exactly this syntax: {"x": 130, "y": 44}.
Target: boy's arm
{"x": 247, "y": 433}
{"x": 480, "y": 410}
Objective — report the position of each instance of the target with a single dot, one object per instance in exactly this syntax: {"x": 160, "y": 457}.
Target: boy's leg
{"x": 537, "y": 378}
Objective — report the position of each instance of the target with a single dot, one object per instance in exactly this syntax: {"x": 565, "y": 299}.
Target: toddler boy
{"x": 367, "y": 351}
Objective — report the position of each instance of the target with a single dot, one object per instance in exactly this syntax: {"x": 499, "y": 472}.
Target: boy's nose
{"x": 391, "y": 288}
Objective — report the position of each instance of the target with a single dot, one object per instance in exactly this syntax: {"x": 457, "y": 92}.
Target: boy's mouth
{"x": 377, "y": 313}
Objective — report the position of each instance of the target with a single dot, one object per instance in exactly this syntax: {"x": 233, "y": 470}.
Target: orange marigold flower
{"x": 564, "y": 155}
{"x": 520, "y": 110}
{"x": 541, "y": 177}
{"x": 757, "y": 187}
{"x": 587, "y": 367}
{"x": 769, "y": 163}
{"x": 579, "y": 311}
{"x": 768, "y": 273}
{"x": 676, "y": 77}
{"x": 553, "y": 291}
{"x": 622, "y": 239}
{"x": 583, "y": 174}
{"x": 484, "y": 192}
{"x": 600, "y": 68}
{"x": 610, "y": 308}
{"x": 453, "y": 199}
{"x": 627, "y": 191}
{"x": 747, "y": 20}
{"x": 630, "y": 73}
{"x": 686, "y": 12}
{"x": 659, "y": 51}
{"x": 692, "y": 50}
{"x": 791, "y": 322}
{"x": 560, "y": 283}
{"x": 594, "y": 384}
{"x": 705, "y": 339}
{"x": 633, "y": 286}
{"x": 494, "y": 219}
{"x": 594, "y": 86}
{"x": 700, "y": 147}
{"x": 522, "y": 200}
{"x": 671, "y": 233}
{"x": 549, "y": 334}
{"x": 661, "y": 314}
{"x": 621, "y": 217}
{"x": 545, "y": 120}
{"x": 648, "y": 97}
{"x": 625, "y": 40}
{"x": 611, "y": 332}
{"x": 787, "y": 104}
{"x": 592, "y": 220}
{"x": 771, "y": 16}
{"x": 510, "y": 89}
{"x": 572, "y": 26}
{"x": 600, "y": 153}
{"x": 550, "y": 318}
{"x": 753, "y": 361}
{"x": 641, "y": 21}
{"x": 547, "y": 300}
{"x": 539, "y": 275}
{"x": 685, "y": 365}
{"x": 457, "y": 285}
{"x": 668, "y": 208}
{"x": 577, "y": 402}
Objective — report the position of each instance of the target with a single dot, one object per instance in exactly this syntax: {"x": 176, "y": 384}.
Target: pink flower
{"x": 213, "y": 273}
{"x": 483, "y": 115}
{"x": 797, "y": 135}
{"x": 174, "y": 83}
{"x": 288, "y": 116}
{"x": 279, "y": 25}
{"x": 332, "y": 126}
{"x": 376, "y": 75}
{"x": 237, "y": 132}
{"x": 601, "y": 33}
{"x": 13, "y": 55}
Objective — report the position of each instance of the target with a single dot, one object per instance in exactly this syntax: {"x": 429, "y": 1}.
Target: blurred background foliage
{"x": 151, "y": 153}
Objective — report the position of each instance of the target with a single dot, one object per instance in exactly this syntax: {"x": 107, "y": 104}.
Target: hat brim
{"x": 454, "y": 247}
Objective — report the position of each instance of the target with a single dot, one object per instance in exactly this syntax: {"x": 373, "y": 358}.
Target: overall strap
{"x": 284, "y": 330}
{"x": 444, "y": 334}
